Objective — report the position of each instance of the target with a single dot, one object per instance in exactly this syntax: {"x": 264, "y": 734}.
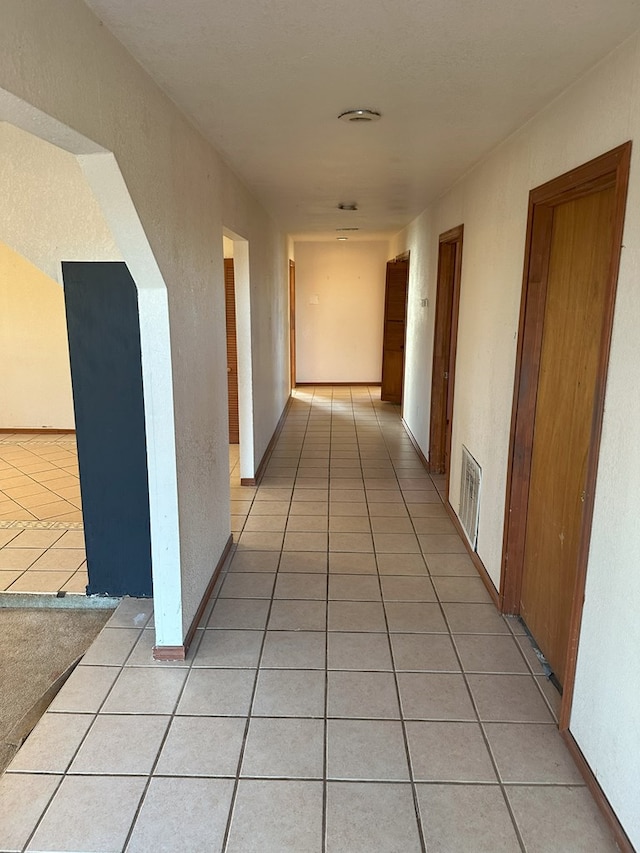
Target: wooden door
{"x": 395, "y": 318}
{"x": 581, "y": 239}
{"x": 292, "y": 323}
{"x": 232, "y": 351}
{"x": 444, "y": 349}
{"x": 574, "y": 240}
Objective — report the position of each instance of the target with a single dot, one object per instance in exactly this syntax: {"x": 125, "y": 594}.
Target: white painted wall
{"x": 339, "y": 310}
{"x": 62, "y": 61}
{"x": 35, "y": 380}
{"x": 600, "y": 112}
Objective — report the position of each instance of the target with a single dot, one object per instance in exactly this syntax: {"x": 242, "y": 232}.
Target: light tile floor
{"x": 41, "y": 531}
{"x": 351, "y": 687}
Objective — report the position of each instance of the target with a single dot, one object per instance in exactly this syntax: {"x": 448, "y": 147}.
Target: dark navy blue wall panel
{"x": 106, "y": 373}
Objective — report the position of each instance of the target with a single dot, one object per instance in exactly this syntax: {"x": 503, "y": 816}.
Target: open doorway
{"x": 41, "y": 520}
{"x": 444, "y": 351}
{"x": 394, "y": 330}
{"x": 571, "y": 268}
{"x": 239, "y": 376}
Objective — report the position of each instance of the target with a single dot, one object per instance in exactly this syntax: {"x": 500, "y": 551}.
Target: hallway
{"x": 351, "y": 688}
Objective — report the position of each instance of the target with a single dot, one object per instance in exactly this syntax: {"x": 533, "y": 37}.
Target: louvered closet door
{"x": 232, "y": 351}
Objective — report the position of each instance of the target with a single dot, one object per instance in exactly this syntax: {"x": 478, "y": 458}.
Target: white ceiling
{"x": 265, "y": 80}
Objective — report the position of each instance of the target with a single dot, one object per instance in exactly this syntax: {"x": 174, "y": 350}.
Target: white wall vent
{"x": 470, "y": 479}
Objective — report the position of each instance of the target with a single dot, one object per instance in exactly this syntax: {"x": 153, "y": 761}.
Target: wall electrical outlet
{"x": 424, "y": 303}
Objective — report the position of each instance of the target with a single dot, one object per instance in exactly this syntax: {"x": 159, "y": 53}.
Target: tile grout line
{"x": 483, "y": 732}
{"x": 95, "y": 715}
{"x": 414, "y": 790}
{"x": 249, "y": 716}
{"x": 172, "y": 716}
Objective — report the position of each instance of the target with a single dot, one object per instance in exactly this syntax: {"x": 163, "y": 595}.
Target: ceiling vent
{"x": 470, "y": 480}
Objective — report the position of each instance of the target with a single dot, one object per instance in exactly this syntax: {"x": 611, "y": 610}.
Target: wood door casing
{"x": 292, "y": 323}
{"x": 232, "y": 351}
{"x": 610, "y": 170}
{"x": 444, "y": 349}
{"x": 394, "y": 331}
{"x": 572, "y": 331}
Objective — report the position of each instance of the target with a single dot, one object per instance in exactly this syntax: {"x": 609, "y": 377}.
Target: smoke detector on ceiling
{"x": 360, "y": 116}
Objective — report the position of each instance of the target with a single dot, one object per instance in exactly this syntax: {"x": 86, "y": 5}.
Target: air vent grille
{"x": 470, "y": 480}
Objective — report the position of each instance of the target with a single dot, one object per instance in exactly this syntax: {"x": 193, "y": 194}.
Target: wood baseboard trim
{"x": 338, "y": 384}
{"x": 475, "y": 559}
{"x": 169, "y": 652}
{"x": 43, "y": 430}
{"x": 621, "y": 837}
{"x": 255, "y": 481}
{"x": 416, "y": 446}
{"x": 180, "y": 652}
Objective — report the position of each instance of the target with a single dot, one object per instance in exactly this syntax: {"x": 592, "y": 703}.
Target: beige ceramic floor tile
{"x": 133, "y": 744}
{"x": 182, "y": 814}
{"x": 23, "y": 798}
{"x": 289, "y": 748}
{"x": 8, "y": 576}
{"x": 556, "y": 818}
{"x": 73, "y": 822}
{"x": 462, "y": 818}
{"x": 449, "y": 752}
{"x": 47, "y": 581}
{"x": 531, "y": 754}
{"x": 350, "y": 809}
{"x": 285, "y": 815}
{"x": 59, "y": 559}
{"x": 366, "y": 750}
{"x": 289, "y": 693}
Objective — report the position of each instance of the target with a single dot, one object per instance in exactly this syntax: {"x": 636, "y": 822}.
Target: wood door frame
{"x": 608, "y": 170}
{"x": 443, "y": 329}
{"x": 292, "y": 323}
{"x": 404, "y": 257}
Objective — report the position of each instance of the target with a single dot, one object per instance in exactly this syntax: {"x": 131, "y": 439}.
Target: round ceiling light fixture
{"x": 342, "y": 238}
{"x": 360, "y": 116}
{"x": 347, "y": 205}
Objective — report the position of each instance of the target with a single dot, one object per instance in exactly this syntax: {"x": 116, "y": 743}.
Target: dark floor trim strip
{"x": 621, "y": 837}
{"x": 416, "y": 446}
{"x": 44, "y": 430}
{"x": 338, "y": 384}
{"x": 255, "y": 481}
{"x": 180, "y": 652}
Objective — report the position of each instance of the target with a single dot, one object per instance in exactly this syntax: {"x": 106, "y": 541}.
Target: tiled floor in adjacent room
{"x": 41, "y": 531}
{"x": 351, "y": 688}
